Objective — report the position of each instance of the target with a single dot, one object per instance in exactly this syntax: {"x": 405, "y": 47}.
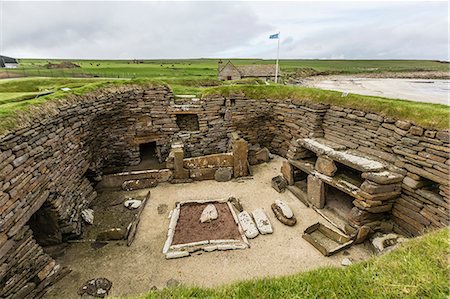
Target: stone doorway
{"x": 150, "y": 156}
{"x": 45, "y": 227}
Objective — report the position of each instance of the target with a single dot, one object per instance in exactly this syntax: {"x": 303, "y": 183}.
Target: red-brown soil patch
{"x": 190, "y": 229}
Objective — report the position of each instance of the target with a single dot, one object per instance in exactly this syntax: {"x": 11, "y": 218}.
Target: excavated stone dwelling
{"x": 394, "y": 173}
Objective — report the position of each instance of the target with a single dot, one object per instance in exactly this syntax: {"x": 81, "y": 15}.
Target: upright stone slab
{"x": 288, "y": 172}
{"x": 240, "y": 153}
{"x": 316, "y": 191}
{"x": 326, "y": 166}
{"x": 179, "y": 171}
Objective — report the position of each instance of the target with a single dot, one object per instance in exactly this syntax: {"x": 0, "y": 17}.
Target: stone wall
{"x": 49, "y": 159}
{"x": 422, "y": 153}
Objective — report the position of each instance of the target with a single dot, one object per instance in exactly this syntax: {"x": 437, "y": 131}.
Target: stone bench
{"x": 373, "y": 183}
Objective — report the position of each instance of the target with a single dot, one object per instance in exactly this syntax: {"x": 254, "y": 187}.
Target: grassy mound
{"x": 418, "y": 269}
{"x": 21, "y": 94}
{"x": 423, "y": 114}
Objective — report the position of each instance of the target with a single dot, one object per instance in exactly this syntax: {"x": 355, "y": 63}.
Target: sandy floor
{"x": 419, "y": 90}
{"x": 134, "y": 270}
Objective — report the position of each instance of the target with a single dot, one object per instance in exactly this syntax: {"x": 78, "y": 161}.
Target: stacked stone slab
{"x": 47, "y": 156}
{"x": 372, "y": 199}
{"x": 422, "y": 153}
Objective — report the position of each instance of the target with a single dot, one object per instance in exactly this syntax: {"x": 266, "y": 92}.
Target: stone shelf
{"x": 369, "y": 181}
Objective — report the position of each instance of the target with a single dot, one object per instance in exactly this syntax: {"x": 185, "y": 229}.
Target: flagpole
{"x": 278, "y": 53}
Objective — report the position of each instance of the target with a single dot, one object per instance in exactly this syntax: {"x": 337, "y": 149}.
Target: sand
{"x": 134, "y": 270}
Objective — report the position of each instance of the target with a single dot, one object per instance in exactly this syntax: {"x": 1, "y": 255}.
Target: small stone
{"x": 223, "y": 174}
{"x": 346, "y": 262}
{"x": 285, "y": 209}
{"x": 262, "y": 221}
{"x": 404, "y": 125}
{"x": 172, "y": 283}
{"x": 249, "y": 227}
{"x": 263, "y": 155}
{"x": 236, "y": 203}
{"x": 412, "y": 183}
{"x": 88, "y": 216}
{"x": 98, "y": 287}
{"x": 417, "y": 131}
{"x": 362, "y": 234}
{"x": 383, "y": 242}
{"x": 132, "y": 204}
{"x": 279, "y": 183}
{"x": 209, "y": 213}
{"x": 325, "y": 166}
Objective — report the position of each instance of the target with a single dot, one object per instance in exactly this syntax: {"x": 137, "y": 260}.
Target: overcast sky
{"x": 113, "y": 30}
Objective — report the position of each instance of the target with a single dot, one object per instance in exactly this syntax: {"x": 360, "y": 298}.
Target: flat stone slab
{"x": 285, "y": 209}
{"x": 383, "y": 177}
{"x": 262, "y": 221}
{"x": 248, "y": 225}
{"x": 338, "y": 153}
{"x": 320, "y": 145}
{"x": 357, "y": 160}
{"x": 209, "y": 214}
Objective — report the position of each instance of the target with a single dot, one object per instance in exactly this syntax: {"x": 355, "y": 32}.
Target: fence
{"x": 65, "y": 73}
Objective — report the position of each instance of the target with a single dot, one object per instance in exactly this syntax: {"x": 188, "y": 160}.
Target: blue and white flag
{"x": 274, "y": 36}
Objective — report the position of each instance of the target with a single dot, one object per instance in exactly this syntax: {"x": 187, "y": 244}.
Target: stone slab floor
{"x": 134, "y": 270}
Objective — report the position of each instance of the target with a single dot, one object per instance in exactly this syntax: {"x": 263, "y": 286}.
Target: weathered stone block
{"x": 287, "y": 170}
{"x": 316, "y": 191}
{"x": 223, "y": 174}
{"x": 325, "y": 166}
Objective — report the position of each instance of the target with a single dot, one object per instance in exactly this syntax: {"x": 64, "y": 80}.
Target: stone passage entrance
{"x": 150, "y": 158}
{"x": 44, "y": 224}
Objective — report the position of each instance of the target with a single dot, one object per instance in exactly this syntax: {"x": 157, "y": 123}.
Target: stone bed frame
{"x": 182, "y": 250}
{"x": 374, "y": 191}
{"x": 47, "y": 159}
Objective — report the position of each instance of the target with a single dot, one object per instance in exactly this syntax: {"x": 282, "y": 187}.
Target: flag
{"x": 274, "y": 36}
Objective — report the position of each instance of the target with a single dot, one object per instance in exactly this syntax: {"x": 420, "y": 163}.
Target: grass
{"x": 207, "y": 68}
{"x": 418, "y": 269}
{"x": 20, "y": 94}
{"x": 423, "y": 114}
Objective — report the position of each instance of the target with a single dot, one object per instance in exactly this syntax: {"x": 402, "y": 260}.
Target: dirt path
{"x": 134, "y": 270}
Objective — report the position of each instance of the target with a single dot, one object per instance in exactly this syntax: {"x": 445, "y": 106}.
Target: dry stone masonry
{"x": 49, "y": 165}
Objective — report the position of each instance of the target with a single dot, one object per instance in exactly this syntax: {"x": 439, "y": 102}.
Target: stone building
{"x": 229, "y": 71}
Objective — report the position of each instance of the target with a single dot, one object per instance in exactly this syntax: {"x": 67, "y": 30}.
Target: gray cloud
{"x": 225, "y": 29}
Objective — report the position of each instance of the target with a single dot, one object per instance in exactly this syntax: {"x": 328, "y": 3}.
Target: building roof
{"x": 255, "y": 70}
{"x": 6, "y": 59}
{"x": 260, "y": 70}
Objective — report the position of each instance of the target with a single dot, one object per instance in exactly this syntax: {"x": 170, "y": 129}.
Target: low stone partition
{"x": 116, "y": 180}
{"x": 221, "y": 167}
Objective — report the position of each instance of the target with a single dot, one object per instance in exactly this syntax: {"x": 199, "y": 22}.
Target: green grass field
{"x": 199, "y": 76}
{"x": 418, "y": 269}
{"x": 207, "y": 68}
